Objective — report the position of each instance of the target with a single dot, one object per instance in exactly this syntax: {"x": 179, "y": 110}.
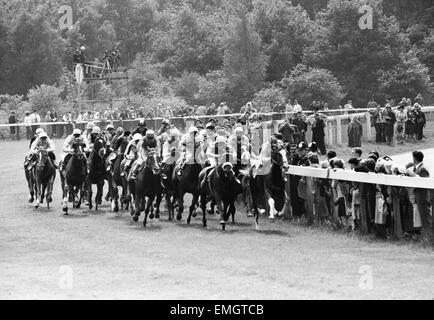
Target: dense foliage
{"x": 209, "y": 51}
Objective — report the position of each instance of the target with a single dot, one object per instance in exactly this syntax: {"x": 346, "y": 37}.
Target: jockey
{"x": 190, "y": 143}
{"x": 131, "y": 152}
{"x": 45, "y": 143}
{"x": 116, "y": 140}
{"x": 165, "y": 127}
{"x": 109, "y": 133}
{"x": 239, "y": 144}
{"x": 37, "y": 133}
{"x": 145, "y": 144}
{"x": 171, "y": 152}
{"x": 265, "y": 155}
{"x": 89, "y": 128}
{"x": 216, "y": 153}
{"x": 96, "y": 133}
{"x": 210, "y": 136}
{"x": 76, "y": 137}
{"x": 141, "y": 128}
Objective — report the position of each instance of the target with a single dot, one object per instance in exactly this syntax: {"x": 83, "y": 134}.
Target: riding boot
{"x": 180, "y": 169}
{"x": 134, "y": 170}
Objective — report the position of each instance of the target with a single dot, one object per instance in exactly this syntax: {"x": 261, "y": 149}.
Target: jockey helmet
{"x": 96, "y": 130}
{"x": 142, "y": 122}
{"x": 165, "y": 121}
{"x": 210, "y": 126}
{"x": 76, "y": 132}
{"x": 82, "y": 48}
{"x": 90, "y": 126}
{"x": 150, "y": 133}
{"x": 43, "y": 135}
{"x": 239, "y": 131}
{"x": 220, "y": 139}
{"x": 193, "y": 129}
{"x": 39, "y": 131}
{"x": 137, "y": 137}
{"x": 175, "y": 133}
{"x": 109, "y": 127}
{"x": 164, "y": 136}
{"x": 120, "y": 130}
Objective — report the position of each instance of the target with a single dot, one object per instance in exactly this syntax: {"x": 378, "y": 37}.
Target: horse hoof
{"x": 188, "y": 221}
{"x": 157, "y": 216}
{"x": 144, "y": 224}
{"x": 271, "y": 219}
{"x": 116, "y": 209}
{"x": 31, "y": 200}
{"x": 65, "y": 210}
{"x": 151, "y": 216}
{"x": 135, "y": 218}
{"x": 107, "y": 198}
{"x": 204, "y": 224}
{"x": 249, "y": 215}
{"x": 178, "y": 217}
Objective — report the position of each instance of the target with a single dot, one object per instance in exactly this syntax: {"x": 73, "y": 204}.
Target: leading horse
{"x": 269, "y": 188}
{"x": 44, "y": 174}
{"x": 73, "y": 177}
{"x": 97, "y": 172}
{"x": 147, "y": 184}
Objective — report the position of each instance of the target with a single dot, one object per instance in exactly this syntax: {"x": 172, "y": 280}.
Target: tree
{"x": 35, "y": 54}
{"x": 270, "y": 96}
{"x": 308, "y": 84}
{"x": 407, "y": 79}
{"x": 45, "y": 98}
{"x": 354, "y": 55}
{"x": 285, "y": 32}
{"x": 244, "y": 62}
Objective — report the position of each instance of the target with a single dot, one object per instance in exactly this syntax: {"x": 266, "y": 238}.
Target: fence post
{"x": 368, "y": 127}
{"x": 329, "y": 133}
{"x": 338, "y": 130}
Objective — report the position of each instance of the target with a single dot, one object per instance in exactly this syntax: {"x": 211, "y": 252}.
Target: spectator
{"x": 287, "y": 130}
{"x": 301, "y": 125}
{"x": 288, "y": 107}
{"x": 318, "y": 133}
{"x": 35, "y": 118}
{"x": 80, "y": 117}
{"x": 422, "y": 195}
{"x": 355, "y": 132}
{"x": 201, "y": 111}
{"x": 28, "y": 122}
{"x": 223, "y": 109}
{"x": 68, "y": 126}
{"x": 13, "y": 120}
{"x": 296, "y": 107}
{"x": 401, "y": 119}
{"x": 420, "y": 121}
{"x": 390, "y": 123}
{"x": 378, "y": 121}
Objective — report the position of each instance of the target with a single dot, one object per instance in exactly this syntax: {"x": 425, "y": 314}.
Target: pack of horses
{"x": 211, "y": 187}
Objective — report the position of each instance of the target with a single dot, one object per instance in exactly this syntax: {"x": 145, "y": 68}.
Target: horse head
{"x": 42, "y": 158}
{"x": 77, "y": 146}
{"x": 98, "y": 147}
{"x": 227, "y": 169}
{"x": 152, "y": 161}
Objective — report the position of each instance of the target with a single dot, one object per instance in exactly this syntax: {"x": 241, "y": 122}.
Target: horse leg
{"x": 203, "y": 201}
{"x": 194, "y": 203}
{"x": 273, "y": 210}
{"x": 218, "y": 201}
{"x": 89, "y": 196}
{"x": 150, "y": 207}
{"x": 38, "y": 193}
{"x": 43, "y": 190}
{"x": 180, "y": 206}
{"x": 232, "y": 211}
{"x": 157, "y": 204}
{"x": 255, "y": 214}
{"x": 138, "y": 207}
{"x": 65, "y": 199}
{"x": 169, "y": 205}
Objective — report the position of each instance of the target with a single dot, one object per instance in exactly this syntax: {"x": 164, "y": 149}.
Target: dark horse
{"x": 73, "y": 177}
{"x": 188, "y": 182}
{"x": 97, "y": 172}
{"x": 269, "y": 189}
{"x": 118, "y": 180}
{"x": 220, "y": 186}
{"x": 147, "y": 184}
{"x": 168, "y": 188}
{"x": 44, "y": 175}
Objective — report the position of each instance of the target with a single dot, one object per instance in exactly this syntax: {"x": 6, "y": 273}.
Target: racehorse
{"x": 119, "y": 180}
{"x": 44, "y": 174}
{"x": 30, "y": 183}
{"x": 147, "y": 184}
{"x": 269, "y": 188}
{"x": 73, "y": 177}
{"x": 220, "y": 186}
{"x": 169, "y": 189}
{"x": 188, "y": 182}
{"x": 97, "y": 172}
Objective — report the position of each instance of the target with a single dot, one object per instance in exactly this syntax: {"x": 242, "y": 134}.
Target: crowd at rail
{"x": 257, "y": 159}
